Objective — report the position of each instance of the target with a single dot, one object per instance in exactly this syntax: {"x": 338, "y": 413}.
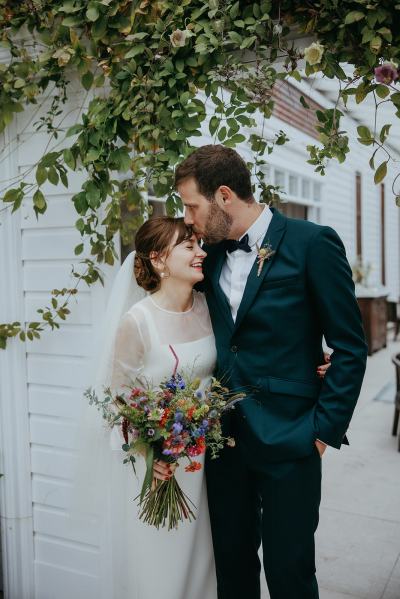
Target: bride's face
{"x": 184, "y": 261}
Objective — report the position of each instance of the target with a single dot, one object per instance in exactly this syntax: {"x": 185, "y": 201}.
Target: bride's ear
{"x": 156, "y": 261}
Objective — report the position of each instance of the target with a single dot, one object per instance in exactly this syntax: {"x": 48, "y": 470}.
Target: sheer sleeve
{"x": 127, "y": 363}
{"x": 128, "y": 353}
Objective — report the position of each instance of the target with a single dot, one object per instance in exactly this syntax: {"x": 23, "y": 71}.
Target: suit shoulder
{"x": 303, "y": 229}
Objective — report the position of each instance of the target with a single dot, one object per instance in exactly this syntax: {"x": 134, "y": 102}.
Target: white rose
{"x": 277, "y": 29}
{"x": 313, "y": 54}
{"x": 178, "y": 38}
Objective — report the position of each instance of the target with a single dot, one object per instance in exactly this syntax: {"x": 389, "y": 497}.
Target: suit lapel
{"x": 217, "y": 260}
{"x": 273, "y": 238}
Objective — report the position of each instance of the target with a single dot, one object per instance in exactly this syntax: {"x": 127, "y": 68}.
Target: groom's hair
{"x": 212, "y": 166}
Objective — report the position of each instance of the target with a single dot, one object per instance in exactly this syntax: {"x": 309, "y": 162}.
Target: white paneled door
{"x": 41, "y": 386}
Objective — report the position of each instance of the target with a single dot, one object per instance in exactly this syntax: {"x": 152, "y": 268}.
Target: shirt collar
{"x": 259, "y": 228}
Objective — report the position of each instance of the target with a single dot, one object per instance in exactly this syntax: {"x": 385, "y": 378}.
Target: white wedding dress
{"x": 150, "y": 563}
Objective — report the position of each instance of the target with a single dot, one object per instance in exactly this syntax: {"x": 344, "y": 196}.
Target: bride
{"x": 153, "y": 305}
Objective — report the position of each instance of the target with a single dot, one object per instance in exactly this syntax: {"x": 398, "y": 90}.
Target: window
{"x": 306, "y": 189}
{"x": 293, "y": 185}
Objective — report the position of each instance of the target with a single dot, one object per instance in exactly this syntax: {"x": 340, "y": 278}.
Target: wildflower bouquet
{"x": 172, "y": 421}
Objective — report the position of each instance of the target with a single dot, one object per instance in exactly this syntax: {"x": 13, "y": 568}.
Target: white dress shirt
{"x": 238, "y": 264}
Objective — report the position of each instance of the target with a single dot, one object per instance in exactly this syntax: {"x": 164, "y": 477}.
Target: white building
{"x": 41, "y": 382}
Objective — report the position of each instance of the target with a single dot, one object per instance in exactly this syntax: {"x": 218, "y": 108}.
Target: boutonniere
{"x": 263, "y": 253}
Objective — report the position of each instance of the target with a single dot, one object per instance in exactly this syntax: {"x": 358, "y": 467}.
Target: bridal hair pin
{"x": 263, "y": 253}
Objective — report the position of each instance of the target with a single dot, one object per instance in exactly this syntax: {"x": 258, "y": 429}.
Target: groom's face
{"x": 208, "y": 220}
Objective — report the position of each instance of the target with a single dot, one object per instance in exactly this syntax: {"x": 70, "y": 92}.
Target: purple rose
{"x": 386, "y": 73}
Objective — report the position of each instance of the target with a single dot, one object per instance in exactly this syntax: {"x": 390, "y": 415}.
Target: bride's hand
{"x": 321, "y": 370}
{"x": 162, "y": 470}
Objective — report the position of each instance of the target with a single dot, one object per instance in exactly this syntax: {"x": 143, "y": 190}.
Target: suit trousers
{"x": 277, "y": 507}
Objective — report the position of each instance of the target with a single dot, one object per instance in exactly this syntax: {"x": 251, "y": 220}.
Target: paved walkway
{"x": 358, "y": 539}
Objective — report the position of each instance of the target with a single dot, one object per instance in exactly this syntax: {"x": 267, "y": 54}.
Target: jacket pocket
{"x": 272, "y": 283}
{"x": 279, "y": 386}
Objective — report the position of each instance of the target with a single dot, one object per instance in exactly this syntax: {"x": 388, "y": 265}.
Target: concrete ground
{"x": 358, "y": 539}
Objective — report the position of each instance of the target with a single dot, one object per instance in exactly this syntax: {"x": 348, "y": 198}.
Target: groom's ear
{"x": 224, "y": 196}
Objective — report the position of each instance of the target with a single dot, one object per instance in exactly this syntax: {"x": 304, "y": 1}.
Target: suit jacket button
{"x": 234, "y": 349}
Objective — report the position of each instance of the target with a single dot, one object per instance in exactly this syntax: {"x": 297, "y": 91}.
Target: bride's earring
{"x": 165, "y": 273}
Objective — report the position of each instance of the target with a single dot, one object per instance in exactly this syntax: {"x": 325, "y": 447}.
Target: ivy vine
{"x": 152, "y": 71}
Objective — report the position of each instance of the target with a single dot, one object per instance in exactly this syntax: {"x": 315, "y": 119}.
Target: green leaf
{"x": 353, "y": 17}
{"x": 69, "y": 158}
{"x": 213, "y": 125}
{"x": 74, "y": 130}
{"x": 222, "y": 134}
{"x": 53, "y": 175}
{"x": 72, "y": 22}
{"x": 78, "y": 249}
{"x": 381, "y": 172}
{"x": 384, "y": 133}
{"x": 87, "y": 80}
{"x": 11, "y": 195}
{"x": 92, "y": 13}
{"x": 382, "y": 91}
{"x": 148, "y": 479}
{"x": 99, "y": 28}
{"x": 234, "y": 11}
{"x": 304, "y": 103}
{"x": 138, "y": 49}
{"x": 39, "y": 202}
{"x": 41, "y": 175}
{"x": 364, "y": 132}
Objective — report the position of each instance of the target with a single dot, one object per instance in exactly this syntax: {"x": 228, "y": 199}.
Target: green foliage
{"x": 149, "y": 68}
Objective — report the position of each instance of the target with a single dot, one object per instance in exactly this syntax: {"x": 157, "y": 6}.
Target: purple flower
{"x": 177, "y": 428}
{"x": 167, "y": 452}
{"x": 178, "y": 416}
{"x": 150, "y": 432}
{"x": 205, "y": 423}
{"x": 199, "y": 394}
{"x": 386, "y": 73}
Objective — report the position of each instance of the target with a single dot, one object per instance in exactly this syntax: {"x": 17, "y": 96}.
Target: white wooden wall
{"x": 52, "y": 373}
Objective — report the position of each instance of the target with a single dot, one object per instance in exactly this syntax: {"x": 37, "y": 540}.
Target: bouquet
{"x": 172, "y": 421}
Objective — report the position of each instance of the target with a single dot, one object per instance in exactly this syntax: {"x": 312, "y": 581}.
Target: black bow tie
{"x": 232, "y": 244}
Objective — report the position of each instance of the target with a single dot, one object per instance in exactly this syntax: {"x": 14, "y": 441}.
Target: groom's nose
{"x": 188, "y": 219}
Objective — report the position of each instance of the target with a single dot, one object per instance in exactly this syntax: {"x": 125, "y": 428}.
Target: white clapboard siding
{"x": 58, "y": 370}
{"x": 46, "y": 275}
{"x": 54, "y": 521}
{"x": 80, "y": 557}
{"x": 70, "y": 340}
{"x": 53, "y": 401}
{"x": 54, "y": 582}
{"x": 56, "y": 244}
{"x": 52, "y": 431}
{"x": 51, "y": 461}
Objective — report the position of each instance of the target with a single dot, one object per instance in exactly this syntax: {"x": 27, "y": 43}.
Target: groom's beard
{"x": 218, "y": 224}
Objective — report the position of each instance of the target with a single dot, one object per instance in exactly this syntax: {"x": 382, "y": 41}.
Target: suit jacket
{"x": 305, "y": 291}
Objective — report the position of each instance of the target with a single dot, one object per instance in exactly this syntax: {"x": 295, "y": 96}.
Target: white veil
{"x": 94, "y": 512}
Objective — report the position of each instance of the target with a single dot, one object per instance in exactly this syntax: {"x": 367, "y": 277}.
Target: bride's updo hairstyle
{"x": 156, "y": 235}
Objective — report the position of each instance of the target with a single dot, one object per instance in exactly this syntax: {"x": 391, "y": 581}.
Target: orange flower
{"x": 193, "y": 466}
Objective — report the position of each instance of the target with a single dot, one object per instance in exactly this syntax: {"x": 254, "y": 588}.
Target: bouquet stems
{"x": 166, "y": 504}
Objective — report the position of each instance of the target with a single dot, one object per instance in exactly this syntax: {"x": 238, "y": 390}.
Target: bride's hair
{"x": 156, "y": 235}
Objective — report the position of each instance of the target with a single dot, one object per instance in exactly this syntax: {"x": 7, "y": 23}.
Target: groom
{"x": 275, "y": 286}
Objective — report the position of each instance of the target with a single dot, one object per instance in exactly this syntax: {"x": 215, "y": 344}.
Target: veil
{"x": 99, "y": 485}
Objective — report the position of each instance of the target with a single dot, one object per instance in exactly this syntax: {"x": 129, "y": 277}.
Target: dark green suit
{"x": 304, "y": 292}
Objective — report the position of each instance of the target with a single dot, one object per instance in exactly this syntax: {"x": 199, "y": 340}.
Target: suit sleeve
{"x": 331, "y": 285}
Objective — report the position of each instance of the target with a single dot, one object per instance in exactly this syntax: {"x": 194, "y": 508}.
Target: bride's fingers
{"x": 162, "y": 470}
{"x": 321, "y": 370}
